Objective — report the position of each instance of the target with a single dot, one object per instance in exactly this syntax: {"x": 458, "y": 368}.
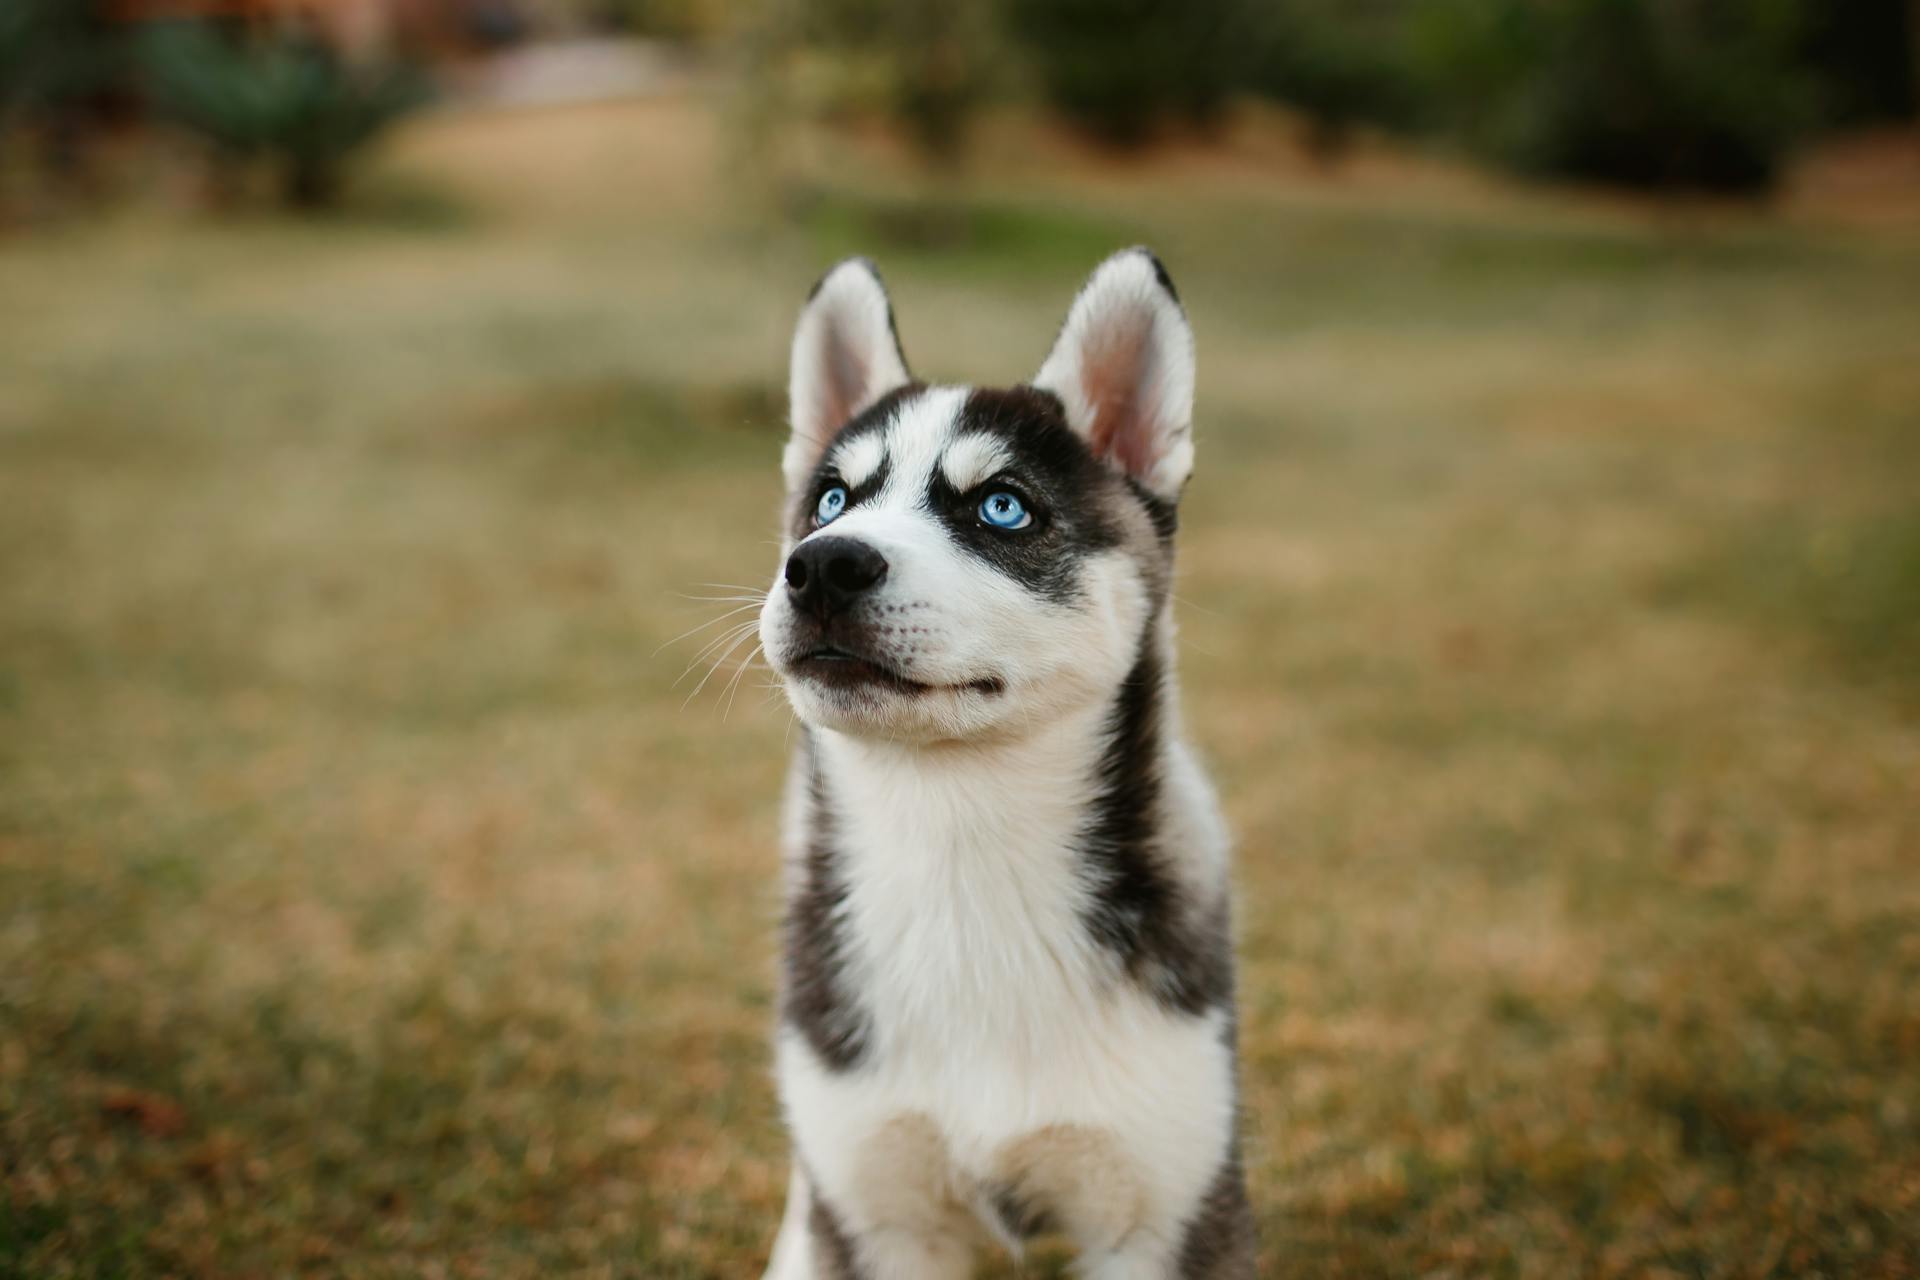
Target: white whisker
{"x": 717, "y": 664}
{"x": 729, "y": 638}
{"x": 733, "y": 686}
{"x": 702, "y": 627}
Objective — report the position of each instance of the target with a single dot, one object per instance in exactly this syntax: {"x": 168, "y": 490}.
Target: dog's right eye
{"x": 1004, "y": 510}
{"x": 832, "y": 503}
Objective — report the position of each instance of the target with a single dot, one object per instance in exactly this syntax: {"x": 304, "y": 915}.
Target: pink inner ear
{"x": 847, "y": 377}
{"x": 1118, "y": 375}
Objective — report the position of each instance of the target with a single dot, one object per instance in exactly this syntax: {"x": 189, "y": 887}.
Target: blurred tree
{"x": 60, "y": 61}
{"x": 1340, "y": 62}
{"x": 280, "y": 97}
{"x": 1707, "y": 94}
{"x": 939, "y": 71}
{"x": 1120, "y": 67}
{"x": 925, "y": 65}
{"x": 1648, "y": 93}
{"x": 1661, "y": 93}
{"x": 1867, "y": 53}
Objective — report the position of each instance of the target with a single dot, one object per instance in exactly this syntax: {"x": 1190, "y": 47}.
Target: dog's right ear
{"x": 1123, "y": 370}
{"x": 846, "y": 356}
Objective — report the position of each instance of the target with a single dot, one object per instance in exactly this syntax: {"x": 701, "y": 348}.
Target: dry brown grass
{"x": 370, "y": 903}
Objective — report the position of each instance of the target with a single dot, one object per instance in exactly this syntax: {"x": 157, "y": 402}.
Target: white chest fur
{"x": 963, "y": 896}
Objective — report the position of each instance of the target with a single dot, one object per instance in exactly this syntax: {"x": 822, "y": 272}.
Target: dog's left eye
{"x": 832, "y": 503}
{"x": 1004, "y": 511}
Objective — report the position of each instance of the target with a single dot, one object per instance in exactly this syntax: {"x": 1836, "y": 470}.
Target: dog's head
{"x": 962, "y": 562}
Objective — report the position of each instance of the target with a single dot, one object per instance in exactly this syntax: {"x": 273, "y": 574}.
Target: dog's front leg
{"x": 816, "y": 1244}
{"x": 898, "y": 1221}
{"x": 900, "y": 1216}
{"x": 1211, "y": 1239}
{"x": 1216, "y": 1241}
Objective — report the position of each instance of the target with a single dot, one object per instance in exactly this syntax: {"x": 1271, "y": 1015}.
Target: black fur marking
{"x": 1165, "y": 515}
{"x": 876, "y": 417}
{"x": 1074, "y": 498}
{"x": 1159, "y": 270}
{"x": 816, "y": 1000}
{"x": 824, "y": 479}
{"x": 1041, "y": 401}
{"x": 833, "y": 1257}
{"x": 1179, "y": 950}
{"x": 1219, "y": 1242}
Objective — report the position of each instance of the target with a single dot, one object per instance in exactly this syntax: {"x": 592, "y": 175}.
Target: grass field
{"x": 374, "y": 902}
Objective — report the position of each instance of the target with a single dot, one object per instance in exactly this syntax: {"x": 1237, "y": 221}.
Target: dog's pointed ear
{"x": 846, "y": 356}
{"x": 1123, "y": 369}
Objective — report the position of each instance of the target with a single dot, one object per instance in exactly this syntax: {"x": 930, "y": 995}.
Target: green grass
{"x": 374, "y": 902}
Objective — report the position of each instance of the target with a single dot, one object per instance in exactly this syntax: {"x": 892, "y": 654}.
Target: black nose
{"x": 826, "y": 575}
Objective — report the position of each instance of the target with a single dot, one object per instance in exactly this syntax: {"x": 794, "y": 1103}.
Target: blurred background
{"x": 390, "y": 393}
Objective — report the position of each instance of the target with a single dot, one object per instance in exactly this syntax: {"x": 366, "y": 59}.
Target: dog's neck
{"x": 1048, "y": 757}
{"x": 1034, "y": 786}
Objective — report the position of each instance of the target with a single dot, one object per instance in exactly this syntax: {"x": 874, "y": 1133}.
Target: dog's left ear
{"x": 846, "y": 356}
{"x": 1123, "y": 368}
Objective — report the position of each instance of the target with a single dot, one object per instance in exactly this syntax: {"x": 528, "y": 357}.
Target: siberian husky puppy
{"x": 1007, "y": 992}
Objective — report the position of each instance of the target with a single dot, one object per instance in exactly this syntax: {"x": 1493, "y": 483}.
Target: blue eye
{"x": 1004, "y": 511}
{"x": 832, "y": 503}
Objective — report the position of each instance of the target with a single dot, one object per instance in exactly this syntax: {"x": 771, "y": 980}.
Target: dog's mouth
{"x": 838, "y": 668}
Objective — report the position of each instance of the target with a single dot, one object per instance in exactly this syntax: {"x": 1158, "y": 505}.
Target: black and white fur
{"x": 1007, "y": 997}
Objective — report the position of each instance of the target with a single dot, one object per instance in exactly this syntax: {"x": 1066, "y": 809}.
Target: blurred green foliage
{"x": 1867, "y": 56}
{"x": 1647, "y": 93}
{"x": 1120, "y": 67}
{"x": 927, "y": 66}
{"x": 1706, "y": 94}
{"x": 284, "y": 100}
{"x": 58, "y": 60}
{"x": 51, "y": 52}
{"x": 1341, "y": 64}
